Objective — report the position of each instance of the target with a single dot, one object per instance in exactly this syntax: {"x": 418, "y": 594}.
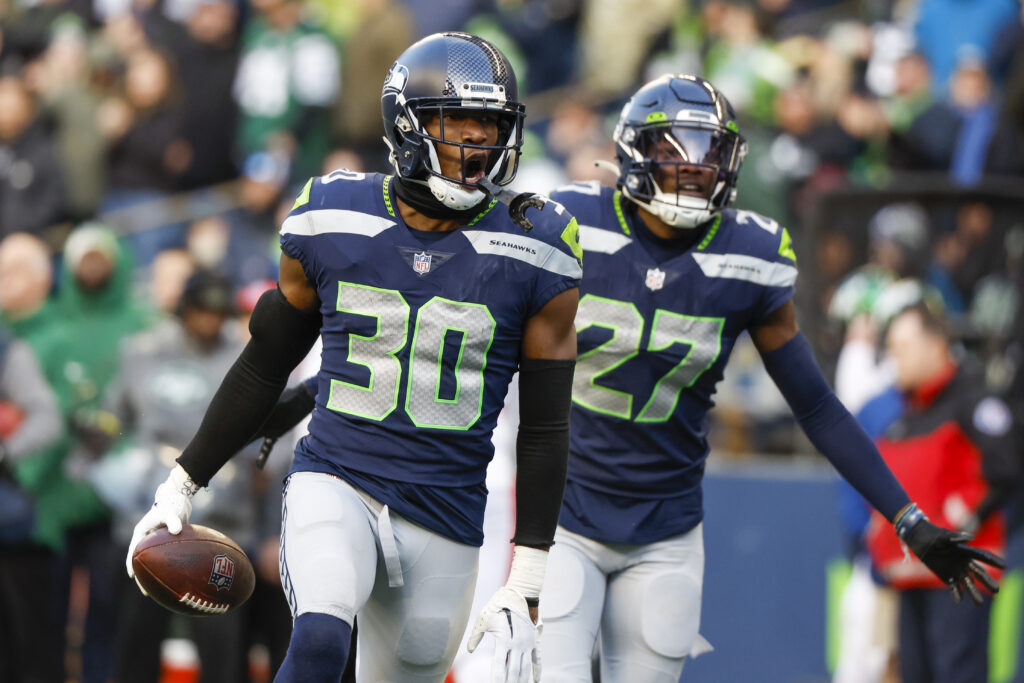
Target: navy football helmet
{"x": 441, "y": 72}
{"x": 679, "y": 150}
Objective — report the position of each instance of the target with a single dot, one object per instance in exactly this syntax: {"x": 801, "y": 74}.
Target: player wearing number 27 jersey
{"x": 654, "y": 337}
{"x": 673, "y": 277}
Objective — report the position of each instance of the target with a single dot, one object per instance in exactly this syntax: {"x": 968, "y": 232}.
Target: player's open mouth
{"x": 691, "y": 189}
{"x": 474, "y": 168}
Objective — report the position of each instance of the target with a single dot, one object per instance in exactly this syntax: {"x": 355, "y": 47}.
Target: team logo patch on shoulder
{"x": 655, "y": 279}
{"x": 421, "y": 263}
{"x": 223, "y": 573}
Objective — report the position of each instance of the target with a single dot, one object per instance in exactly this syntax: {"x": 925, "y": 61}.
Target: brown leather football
{"x": 199, "y": 572}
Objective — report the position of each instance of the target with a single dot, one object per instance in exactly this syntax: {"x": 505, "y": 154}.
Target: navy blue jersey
{"x": 654, "y": 339}
{"x": 421, "y": 336}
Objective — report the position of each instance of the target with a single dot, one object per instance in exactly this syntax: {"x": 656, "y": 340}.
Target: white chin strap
{"x": 688, "y": 213}
{"x": 679, "y": 211}
{"x": 453, "y": 195}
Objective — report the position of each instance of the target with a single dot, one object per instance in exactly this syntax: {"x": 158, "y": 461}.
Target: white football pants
{"x": 643, "y": 601}
{"x": 345, "y": 554}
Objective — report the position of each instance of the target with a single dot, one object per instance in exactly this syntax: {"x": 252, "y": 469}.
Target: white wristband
{"x": 527, "y": 573}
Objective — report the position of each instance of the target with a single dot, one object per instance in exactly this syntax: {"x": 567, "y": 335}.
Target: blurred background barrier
{"x": 775, "y": 570}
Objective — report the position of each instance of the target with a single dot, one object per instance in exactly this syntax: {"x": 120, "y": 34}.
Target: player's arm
{"x": 284, "y": 325}
{"x": 542, "y": 452}
{"x": 836, "y": 434}
{"x": 545, "y": 396}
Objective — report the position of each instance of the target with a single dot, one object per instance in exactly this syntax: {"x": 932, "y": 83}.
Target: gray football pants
{"x": 344, "y": 553}
{"x": 642, "y": 601}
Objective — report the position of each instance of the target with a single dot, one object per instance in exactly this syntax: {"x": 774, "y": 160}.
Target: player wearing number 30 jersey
{"x": 428, "y": 295}
{"x": 421, "y": 335}
{"x": 673, "y": 277}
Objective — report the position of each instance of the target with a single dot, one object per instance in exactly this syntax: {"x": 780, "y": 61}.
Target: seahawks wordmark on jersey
{"x": 421, "y": 336}
{"x": 654, "y": 339}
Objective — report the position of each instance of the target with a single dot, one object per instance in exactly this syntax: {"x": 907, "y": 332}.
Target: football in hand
{"x": 199, "y": 572}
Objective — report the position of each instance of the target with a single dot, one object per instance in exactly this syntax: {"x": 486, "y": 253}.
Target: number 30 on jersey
{"x": 436, "y": 321}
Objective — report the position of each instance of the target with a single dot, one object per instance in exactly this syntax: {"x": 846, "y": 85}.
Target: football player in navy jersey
{"x": 674, "y": 276}
{"x": 428, "y": 297}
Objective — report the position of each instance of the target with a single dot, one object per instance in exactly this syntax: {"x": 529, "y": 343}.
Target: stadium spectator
{"x": 167, "y": 276}
{"x": 911, "y": 93}
{"x": 964, "y": 133}
{"x": 614, "y": 39}
{"x": 205, "y": 50}
{"x": 952, "y": 446}
{"x": 26, "y": 279}
{"x": 147, "y": 153}
{"x": 29, "y": 423}
{"x": 63, "y": 78}
{"x": 25, "y": 28}
{"x": 32, "y": 195}
{"x": 973, "y": 247}
{"x": 165, "y": 379}
{"x": 286, "y": 81}
{"x": 97, "y": 309}
{"x": 384, "y": 29}
{"x": 945, "y": 27}
{"x": 742, "y": 61}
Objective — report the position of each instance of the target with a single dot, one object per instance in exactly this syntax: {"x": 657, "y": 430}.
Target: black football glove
{"x": 947, "y": 554}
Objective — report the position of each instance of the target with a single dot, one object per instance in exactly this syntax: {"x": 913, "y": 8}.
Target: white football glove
{"x": 172, "y": 506}
{"x": 516, "y": 638}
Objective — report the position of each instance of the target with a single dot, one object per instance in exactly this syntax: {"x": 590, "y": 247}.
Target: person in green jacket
{"x": 98, "y": 310}
{"x": 75, "y": 336}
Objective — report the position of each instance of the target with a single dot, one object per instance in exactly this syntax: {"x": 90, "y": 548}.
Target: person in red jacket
{"x": 952, "y": 448}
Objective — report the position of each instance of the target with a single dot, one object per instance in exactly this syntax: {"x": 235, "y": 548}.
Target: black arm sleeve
{"x": 542, "y": 448}
{"x": 282, "y": 335}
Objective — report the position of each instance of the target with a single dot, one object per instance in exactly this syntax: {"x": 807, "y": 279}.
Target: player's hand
{"x": 516, "y": 637}
{"x": 947, "y": 554}
{"x": 172, "y": 506}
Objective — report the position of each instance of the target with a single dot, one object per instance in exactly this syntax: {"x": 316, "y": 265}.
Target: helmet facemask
{"x": 498, "y": 162}
{"x": 681, "y": 172}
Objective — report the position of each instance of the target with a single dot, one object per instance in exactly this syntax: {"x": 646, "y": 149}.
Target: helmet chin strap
{"x": 453, "y": 195}
{"x": 419, "y": 196}
{"x": 672, "y": 214}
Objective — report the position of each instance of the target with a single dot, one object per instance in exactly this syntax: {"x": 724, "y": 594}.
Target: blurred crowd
{"x": 149, "y": 149}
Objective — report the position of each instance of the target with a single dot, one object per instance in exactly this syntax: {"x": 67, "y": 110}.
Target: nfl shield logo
{"x": 223, "y": 574}
{"x": 421, "y": 263}
{"x": 655, "y": 279}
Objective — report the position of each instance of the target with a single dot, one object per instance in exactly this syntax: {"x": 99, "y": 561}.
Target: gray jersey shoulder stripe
{"x": 601, "y": 241}
{"x": 321, "y": 221}
{"x": 526, "y": 249}
{"x": 749, "y": 268}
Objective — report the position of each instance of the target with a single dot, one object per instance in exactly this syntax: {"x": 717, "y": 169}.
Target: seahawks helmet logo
{"x": 397, "y": 77}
